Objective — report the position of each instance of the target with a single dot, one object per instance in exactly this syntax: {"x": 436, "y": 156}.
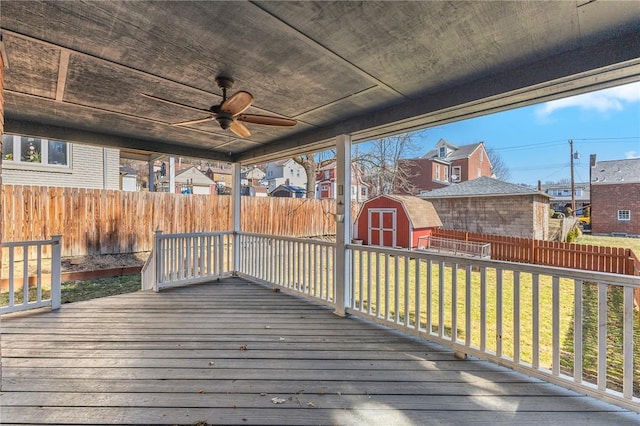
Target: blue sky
{"x": 533, "y": 141}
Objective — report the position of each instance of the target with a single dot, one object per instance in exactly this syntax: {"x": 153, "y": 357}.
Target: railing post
{"x": 236, "y": 201}
{"x": 343, "y": 225}
{"x": 56, "y": 272}
{"x": 158, "y": 259}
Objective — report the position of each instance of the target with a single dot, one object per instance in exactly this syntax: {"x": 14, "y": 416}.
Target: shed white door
{"x": 382, "y": 227}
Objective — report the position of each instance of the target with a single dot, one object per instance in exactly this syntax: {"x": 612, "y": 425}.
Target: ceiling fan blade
{"x": 239, "y": 129}
{"x": 267, "y": 120}
{"x": 237, "y": 103}
{"x": 167, "y": 101}
{"x": 198, "y": 120}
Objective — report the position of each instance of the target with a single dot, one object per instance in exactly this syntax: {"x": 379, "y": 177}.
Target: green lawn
{"x": 630, "y": 243}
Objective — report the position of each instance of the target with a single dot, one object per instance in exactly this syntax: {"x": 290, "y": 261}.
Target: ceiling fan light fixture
{"x": 224, "y": 121}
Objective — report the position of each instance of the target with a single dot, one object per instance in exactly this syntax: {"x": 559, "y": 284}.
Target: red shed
{"x": 395, "y": 221}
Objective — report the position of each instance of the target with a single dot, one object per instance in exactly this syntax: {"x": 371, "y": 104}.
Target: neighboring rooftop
{"x": 616, "y": 171}
{"x": 480, "y": 187}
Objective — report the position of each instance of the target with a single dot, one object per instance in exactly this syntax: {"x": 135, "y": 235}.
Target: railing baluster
{"x": 418, "y": 291}
{"x": 407, "y": 291}
{"x": 535, "y": 321}
{"x": 577, "y": 331}
{"x": 555, "y": 326}
{"x": 627, "y": 342}
{"x": 369, "y": 296}
{"x": 468, "y": 306}
{"x": 386, "y": 286}
{"x": 499, "y": 306}
{"x": 25, "y": 276}
{"x": 602, "y": 337}
{"x": 483, "y": 308}
{"x": 441, "y": 274}
{"x": 39, "y": 276}
{"x": 12, "y": 289}
{"x": 454, "y": 302}
{"x": 378, "y": 282}
{"x": 396, "y": 289}
{"x": 516, "y": 316}
{"x": 428, "y": 310}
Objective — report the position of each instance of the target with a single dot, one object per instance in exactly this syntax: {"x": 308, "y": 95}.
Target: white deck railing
{"x": 301, "y": 265}
{"x": 182, "y": 259}
{"x": 569, "y": 327}
{"x": 573, "y": 328}
{"x": 29, "y": 280}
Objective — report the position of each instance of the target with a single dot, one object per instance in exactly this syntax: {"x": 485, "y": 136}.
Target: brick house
{"x": 615, "y": 197}
{"x": 326, "y": 183}
{"x": 45, "y": 162}
{"x": 446, "y": 164}
{"x": 491, "y": 206}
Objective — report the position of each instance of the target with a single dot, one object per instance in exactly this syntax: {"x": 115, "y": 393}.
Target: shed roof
{"x": 616, "y": 171}
{"x": 481, "y": 187}
{"x": 421, "y": 213}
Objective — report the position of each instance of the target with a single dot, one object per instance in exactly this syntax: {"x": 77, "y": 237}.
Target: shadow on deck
{"x": 238, "y": 353}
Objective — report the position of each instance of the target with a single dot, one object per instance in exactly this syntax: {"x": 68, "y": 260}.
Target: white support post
{"x": 235, "y": 215}
{"x": 343, "y": 225}
{"x": 152, "y": 176}
{"x": 172, "y": 175}
{"x": 158, "y": 260}
{"x": 56, "y": 271}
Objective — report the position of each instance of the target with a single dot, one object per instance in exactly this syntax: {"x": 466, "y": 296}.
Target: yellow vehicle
{"x": 584, "y": 215}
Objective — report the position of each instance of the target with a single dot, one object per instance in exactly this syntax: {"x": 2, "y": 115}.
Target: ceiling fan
{"x": 229, "y": 113}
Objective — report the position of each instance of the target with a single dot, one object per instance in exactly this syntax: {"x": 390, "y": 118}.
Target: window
{"x": 437, "y": 172}
{"x": 624, "y": 214}
{"x": 363, "y": 191}
{"x": 443, "y": 152}
{"x": 457, "y": 171}
{"x": 481, "y": 156}
{"x": 479, "y": 172}
{"x": 325, "y": 188}
{"x": 446, "y": 173}
{"x": 326, "y": 174}
{"x": 23, "y": 149}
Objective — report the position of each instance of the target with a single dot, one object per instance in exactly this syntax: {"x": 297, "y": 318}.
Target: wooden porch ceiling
{"x": 76, "y": 69}
{"x": 221, "y": 354}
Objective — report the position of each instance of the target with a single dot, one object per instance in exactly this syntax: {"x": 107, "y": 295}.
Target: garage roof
{"x": 481, "y": 187}
{"x": 76, "y": 70}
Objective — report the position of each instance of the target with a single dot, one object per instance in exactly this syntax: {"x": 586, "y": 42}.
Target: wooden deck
{"x": 222, "y": 353}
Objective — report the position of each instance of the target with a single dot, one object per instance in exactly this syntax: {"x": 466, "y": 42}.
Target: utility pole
{"x": 573, "y": 184}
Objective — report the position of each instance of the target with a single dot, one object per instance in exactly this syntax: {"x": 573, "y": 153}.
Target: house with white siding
{"x": 45, "y": 162}
{"x": 284, "y": 172}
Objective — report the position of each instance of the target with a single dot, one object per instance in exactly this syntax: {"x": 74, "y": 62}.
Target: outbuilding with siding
{"x": 491, "y": 206}
{"x": 395, "y": 221}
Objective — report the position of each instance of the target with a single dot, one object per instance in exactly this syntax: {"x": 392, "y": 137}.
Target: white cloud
{"x": 631, "y": 154}
{"x": 613, "y": 99}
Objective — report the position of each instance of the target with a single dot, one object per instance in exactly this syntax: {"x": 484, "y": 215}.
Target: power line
{"x": 563, "y": 141}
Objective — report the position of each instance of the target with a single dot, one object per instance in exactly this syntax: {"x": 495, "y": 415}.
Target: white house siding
{"x": 87, "y": 170}
{"x": 285, "y": 172}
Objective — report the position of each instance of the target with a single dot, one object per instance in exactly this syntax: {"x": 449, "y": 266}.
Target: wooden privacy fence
{"x": 552, "y": 253}
{"x": 112, "y": 222}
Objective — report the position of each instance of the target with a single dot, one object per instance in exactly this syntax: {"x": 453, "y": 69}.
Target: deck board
{"x": 178, "y": 357}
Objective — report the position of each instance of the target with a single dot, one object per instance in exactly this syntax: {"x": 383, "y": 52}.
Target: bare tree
{"x": 498, "y": 167}
{"x": 379, "y": 161}
{"x": 310, "y": 163}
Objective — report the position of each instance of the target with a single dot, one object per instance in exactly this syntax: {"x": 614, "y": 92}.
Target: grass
{"x": 75, "y": 291}
{"x": 630, "y": 243}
